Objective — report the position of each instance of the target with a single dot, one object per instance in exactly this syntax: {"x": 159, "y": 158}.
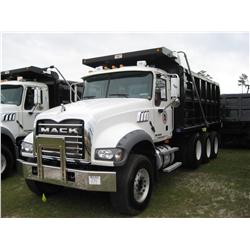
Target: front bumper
{"x": 63, "y": 175}
{"x": 80, "y": 179}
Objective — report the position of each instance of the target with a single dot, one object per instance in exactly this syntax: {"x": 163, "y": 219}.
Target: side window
{"x": 29, "y": 100}
{"x": 160, "y": 91}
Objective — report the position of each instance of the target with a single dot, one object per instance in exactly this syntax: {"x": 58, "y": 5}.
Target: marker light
{"x": 141, "y": 63}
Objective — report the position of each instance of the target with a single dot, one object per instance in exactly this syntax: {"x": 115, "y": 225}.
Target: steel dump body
{"x": 188, "y": 116}
{"x": 235, "y": 113}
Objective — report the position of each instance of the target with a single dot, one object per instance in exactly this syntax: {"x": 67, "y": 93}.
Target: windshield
{"x": 133, "y": 84}
{"x": 11, "y": 94}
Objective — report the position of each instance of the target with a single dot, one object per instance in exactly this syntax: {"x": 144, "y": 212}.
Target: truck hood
{"x": 96, "y": 109}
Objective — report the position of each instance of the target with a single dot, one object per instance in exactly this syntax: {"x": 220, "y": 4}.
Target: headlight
{"x": 26, "y": 148}
{"x": 109, "y": 154}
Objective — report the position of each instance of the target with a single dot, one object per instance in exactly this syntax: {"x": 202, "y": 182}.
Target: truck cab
{"x": 25, "y": 93}
{"x": 19, "y": 107}
{"x": 147, "y": 89}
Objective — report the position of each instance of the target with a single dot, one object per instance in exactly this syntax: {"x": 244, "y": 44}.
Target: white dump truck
{"x": 25, "y": 93}
{"x": 141, "y": 113}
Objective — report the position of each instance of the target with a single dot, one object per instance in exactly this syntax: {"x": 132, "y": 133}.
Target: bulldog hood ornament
{"x": 63, "y": 108}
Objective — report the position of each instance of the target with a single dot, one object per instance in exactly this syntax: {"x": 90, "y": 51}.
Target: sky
{"x": 225, "y": 56}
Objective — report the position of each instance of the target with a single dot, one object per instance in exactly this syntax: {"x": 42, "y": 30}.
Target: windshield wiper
{"x": 89, "y": 96}
{"x": 123, "y": 95}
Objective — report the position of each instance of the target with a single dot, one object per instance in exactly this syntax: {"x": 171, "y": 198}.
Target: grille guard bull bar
{"x": 63, "y": 176}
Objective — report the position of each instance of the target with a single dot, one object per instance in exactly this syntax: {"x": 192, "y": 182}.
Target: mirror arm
{"x": 33, "y": 109}
{"x": 169, "y": 103}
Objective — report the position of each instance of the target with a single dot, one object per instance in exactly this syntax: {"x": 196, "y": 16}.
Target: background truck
{"x": 142, "y": 113}
{"x": 25, "y": 93}
{"x": 235, "y": 114}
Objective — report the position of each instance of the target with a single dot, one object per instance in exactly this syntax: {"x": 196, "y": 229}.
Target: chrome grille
{"x": 73, "y": 132}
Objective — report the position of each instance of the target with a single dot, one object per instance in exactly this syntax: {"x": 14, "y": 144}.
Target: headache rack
{"x": 157, "y": 57}
{"x": 30, "y": 73}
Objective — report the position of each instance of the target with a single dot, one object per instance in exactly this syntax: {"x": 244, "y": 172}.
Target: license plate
{"x": 94, "y": 180}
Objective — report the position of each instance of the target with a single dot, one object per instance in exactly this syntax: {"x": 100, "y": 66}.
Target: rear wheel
{"x": 194, "y": 151}
{"x": 40, "y": 188}
{"x": 134, "y": 185}
{"x": 215, "y": 144}
{"x": 207, "y": 147}
{"x": 7, "y": 161}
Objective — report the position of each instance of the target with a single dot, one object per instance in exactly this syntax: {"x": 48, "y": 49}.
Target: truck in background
{"x": 235, "y": 115}
{"x": 26, "y": 92}
{"x": 142, "y": 113}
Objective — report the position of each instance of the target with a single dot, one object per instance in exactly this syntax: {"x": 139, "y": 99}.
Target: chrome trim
{"x": 82, "y": 141}
{"x": 87, "y": 143}
{"x": 60, "y": 125}
{"x": 71, "y": 136}
{"x": 57, "y": 152}
{"x": 50, "y": 143}
{"x": 53, "y": 175}
{"x": 73, "y": 160}
{"x": 73, "y": 142}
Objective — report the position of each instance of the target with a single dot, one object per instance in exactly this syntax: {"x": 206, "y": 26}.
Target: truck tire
{"x": 7, "y": 161}
{"x": 215, "y": 144}
{"x": 134, "y": 185}
{"x": 39, "y": 188}
{"x": 207, "y": 147}
{"x": 194, "y": 151}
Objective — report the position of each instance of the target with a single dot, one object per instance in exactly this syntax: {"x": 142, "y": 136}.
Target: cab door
{"x": 162, "y": 117}
{"x": 30, "y": 110}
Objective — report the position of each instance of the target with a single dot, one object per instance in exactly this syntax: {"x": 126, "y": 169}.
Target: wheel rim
{"x": 141, "y": 185}
{"x": 3, "y": 163}
{"x": 216, "y": 145}
{"x": 198, "y": 150}
{"x": 208, "y": 148}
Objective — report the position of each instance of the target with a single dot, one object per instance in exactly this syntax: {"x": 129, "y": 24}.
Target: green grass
{"x": 220, "y": 188}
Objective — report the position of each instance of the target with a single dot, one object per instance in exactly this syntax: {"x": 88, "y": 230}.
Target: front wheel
{"x": 7, "y": 161}
{"x": 134, "y": 185}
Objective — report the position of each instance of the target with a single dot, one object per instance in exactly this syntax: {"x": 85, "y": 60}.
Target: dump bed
{"x": 235, "y": 107}
{"x": 235, "y": 114}
{"x": 188, "y": 115}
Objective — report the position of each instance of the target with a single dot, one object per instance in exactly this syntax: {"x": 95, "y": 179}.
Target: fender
{"x": 5, "y": 131}
{"x": 128, "y": 141}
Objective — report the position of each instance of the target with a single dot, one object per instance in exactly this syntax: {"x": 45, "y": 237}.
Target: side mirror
{"x": 157, "y": 97}
{"x": 175, "y": 86}
{"x": 37, "y": 96}
{"x": 176, "y": 103}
